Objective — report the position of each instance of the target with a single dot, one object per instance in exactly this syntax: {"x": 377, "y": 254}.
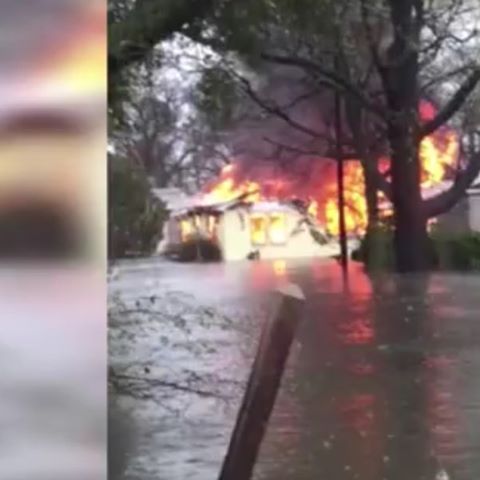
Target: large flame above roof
{"x": 438, "y": 153}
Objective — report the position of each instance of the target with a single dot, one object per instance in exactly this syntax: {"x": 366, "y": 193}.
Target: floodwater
{"x": 382, "y": 382}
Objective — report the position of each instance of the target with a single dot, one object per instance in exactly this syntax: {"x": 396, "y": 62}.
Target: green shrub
{"x": 375, "y": 249}
{"x": 135, "y": 217}
{"x": 457, "y": 252}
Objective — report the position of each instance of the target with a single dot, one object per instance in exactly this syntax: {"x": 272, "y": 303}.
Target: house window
{"x": 258, "y": 229}
{"x": 186, "y": 229}
{"x": 277, "y": 230}
{"x": 212, "y": 226}
{"x": 197, "y": 221}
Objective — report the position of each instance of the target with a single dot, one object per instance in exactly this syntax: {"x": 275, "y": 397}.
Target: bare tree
{"x": 162, "y": 133}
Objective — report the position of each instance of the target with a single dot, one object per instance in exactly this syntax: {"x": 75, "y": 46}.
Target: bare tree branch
{"x": 149, "y": 22}
{"x": 444, "y": 201}
{"x": 441, "y": 78}
{"x": 338, "y": 80}
{"x": 116, "y": 378}
{"x": 372, "y": 43}
{"x": 455, "y": 103}
{"x": 275, "y": 110}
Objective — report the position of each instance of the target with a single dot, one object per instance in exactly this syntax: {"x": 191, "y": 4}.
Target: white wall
{"x": 234, "y": 235}
{"x": 474, "y": 212}
{"x": 235, "y": 240}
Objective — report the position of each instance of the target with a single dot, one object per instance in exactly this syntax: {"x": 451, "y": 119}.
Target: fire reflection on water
{"x": 357, "y": 331}
{"x": 280, "y": 268}
{"x": 265, "y": 274}
{"x": 442, "y": 414}
{"x": 361, "y": 414}
{"x": 366, "y": 395}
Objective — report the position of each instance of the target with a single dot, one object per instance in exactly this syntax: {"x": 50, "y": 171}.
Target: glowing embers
{"x": 270, "y": 229}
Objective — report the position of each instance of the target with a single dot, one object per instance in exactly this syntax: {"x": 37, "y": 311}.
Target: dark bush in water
{"x": 135, "y": 217}
{"x": 199, "y": 250}
{"x": 460, "y": 252}
{"x": 375, "y": 249}
{"x": 449, "y": 251}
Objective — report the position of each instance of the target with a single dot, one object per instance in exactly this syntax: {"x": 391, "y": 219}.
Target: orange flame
{"x": 227, "y": 189}
{"x": 438, "y": 155}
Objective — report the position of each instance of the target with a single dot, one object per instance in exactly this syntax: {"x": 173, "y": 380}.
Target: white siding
{"x": 235, "y": 239}
{"x": 474, "y": 211}
{"x": 234, "y": 235}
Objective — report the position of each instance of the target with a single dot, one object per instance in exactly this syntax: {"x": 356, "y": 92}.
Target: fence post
{"x": 263, "y": 384}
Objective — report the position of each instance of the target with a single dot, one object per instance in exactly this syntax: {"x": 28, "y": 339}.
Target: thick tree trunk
{"x": 410, "y": 236}
{"x": 401, "y": 85}
{"x": 359, "y": 131}
{"x": 374, "y": 257}
{"x": 371, "y": 196}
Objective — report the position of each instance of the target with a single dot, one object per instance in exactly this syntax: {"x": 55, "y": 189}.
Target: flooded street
{"x": 382, "y": 382}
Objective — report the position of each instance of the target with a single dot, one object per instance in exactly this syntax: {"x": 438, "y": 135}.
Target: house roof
{"x": 195, "y": 205}
{"x": 272, "y": 206}
{"x": 174, "y": 198}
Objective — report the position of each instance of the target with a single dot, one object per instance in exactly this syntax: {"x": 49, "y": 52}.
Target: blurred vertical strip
{"x": 53, "y": 79}
{"x": 52, "y": 133}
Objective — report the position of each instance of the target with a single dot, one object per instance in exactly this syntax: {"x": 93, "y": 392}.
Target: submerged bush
{"x": 459, "y": 252}
{"x": 376, "y": 249}
{"x": 449, "y": 251}
{"x": 135, "y": 217}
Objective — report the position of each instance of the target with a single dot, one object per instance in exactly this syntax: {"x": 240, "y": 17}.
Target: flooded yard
{"x": 381, "y": 384}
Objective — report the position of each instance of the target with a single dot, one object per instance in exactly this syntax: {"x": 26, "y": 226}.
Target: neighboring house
{"x": 465, "y": 215}
{"x": 173, "y": 199}
{"x": 241, "y": 230}
{"x": 474, "y": 207}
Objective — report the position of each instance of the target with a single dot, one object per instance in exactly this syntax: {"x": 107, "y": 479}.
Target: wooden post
{"x": 263, "y": 384}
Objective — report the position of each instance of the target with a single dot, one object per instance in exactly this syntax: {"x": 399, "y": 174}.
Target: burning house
{"x": 242, "y": 229}
{"x": 263, "y": 209}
